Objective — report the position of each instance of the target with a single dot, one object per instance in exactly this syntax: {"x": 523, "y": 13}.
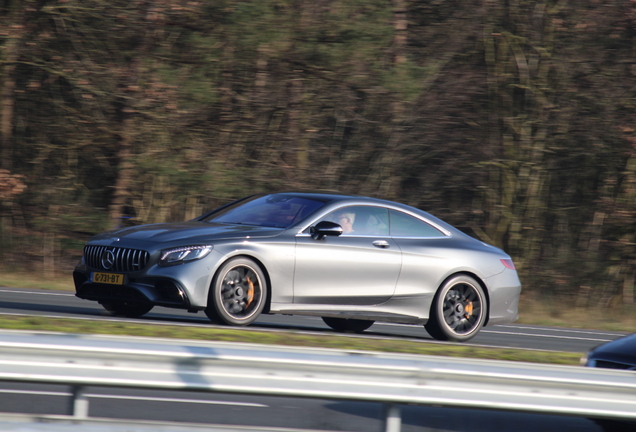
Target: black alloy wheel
{"x": 458, "y": 311}
{"x": 238, "y": 293}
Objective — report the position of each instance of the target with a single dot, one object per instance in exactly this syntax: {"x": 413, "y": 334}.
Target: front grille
{"x": 614, "y": 365}
{"x": 115, "y": 259}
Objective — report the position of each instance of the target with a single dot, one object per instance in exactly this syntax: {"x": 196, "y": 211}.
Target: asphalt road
{"x": 65, "y": 304}
{"x": 280, "y": 412}
{"x": 259, "y": 412}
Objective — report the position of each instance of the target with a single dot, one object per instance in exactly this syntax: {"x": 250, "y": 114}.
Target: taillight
{"x": 508, "y": 263}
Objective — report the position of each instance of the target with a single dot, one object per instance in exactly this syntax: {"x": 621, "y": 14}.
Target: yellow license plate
{"x": 108, "y": 278}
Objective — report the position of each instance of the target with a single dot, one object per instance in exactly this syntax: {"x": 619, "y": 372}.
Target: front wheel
{"x": 458, "y": 311}
{"x": 127, "y": 309}
{"x": 238, "y": 293}
{"x": 348, "y": 325}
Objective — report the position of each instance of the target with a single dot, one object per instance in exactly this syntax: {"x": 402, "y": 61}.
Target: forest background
{"x": 510, "y": 119}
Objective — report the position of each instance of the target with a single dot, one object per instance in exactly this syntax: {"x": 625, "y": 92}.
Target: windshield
{"x": 279, "y": 211}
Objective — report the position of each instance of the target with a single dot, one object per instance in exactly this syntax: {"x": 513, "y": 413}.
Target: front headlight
{"x": 585, "y": 361}
{"x": 181, "y": 255}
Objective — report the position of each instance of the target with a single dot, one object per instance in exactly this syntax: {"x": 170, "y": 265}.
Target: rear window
{"x": 404, "y": 225}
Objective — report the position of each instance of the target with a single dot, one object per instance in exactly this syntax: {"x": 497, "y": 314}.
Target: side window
{"x": 361, "y": 220}
{"x": 403, "y": 225}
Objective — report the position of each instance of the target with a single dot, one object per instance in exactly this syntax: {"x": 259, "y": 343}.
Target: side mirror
{"x": 325, "y": 228}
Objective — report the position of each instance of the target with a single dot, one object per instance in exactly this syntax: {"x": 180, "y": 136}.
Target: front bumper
{"x": 160, "y": 292}
{"x": 183, "y": 286}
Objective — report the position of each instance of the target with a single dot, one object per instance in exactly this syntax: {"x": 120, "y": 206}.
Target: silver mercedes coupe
{"x": 351, "y": 260}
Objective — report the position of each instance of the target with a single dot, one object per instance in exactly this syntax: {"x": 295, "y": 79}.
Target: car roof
{"x": 336, "y": 196}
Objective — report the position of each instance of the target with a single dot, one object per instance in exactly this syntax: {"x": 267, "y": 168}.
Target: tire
{"x": 127, "y": 309}
{"x": 348, "y": 325}
{"x": 238, "y": 293}
{"x": 458, "y": 311}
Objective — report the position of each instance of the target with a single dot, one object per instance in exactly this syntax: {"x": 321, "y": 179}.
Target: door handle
{"x": 383, "y": 244}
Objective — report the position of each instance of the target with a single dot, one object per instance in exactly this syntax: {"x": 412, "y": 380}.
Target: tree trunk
{"x": 517, "y": 199}
{"x": 390, "y": 177}
{"x": 12, "y": 48}
{"x": 295, "y": 152}
{"x": 127, "y": 127}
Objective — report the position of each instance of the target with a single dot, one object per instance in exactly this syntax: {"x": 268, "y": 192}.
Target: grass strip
{"x": 69, "y": 325}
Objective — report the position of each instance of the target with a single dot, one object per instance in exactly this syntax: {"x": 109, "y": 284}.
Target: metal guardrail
{"x": 392, "y": 379}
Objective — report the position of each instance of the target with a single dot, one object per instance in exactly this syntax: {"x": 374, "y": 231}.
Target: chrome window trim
{"x": 422, "y": 238}
{"x": 423, "y": 219}
{"x": 301, "y": 234}
{"x": 447, "y": 233}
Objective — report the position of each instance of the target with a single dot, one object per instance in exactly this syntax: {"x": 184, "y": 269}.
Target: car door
{"x": 356, "y": 268}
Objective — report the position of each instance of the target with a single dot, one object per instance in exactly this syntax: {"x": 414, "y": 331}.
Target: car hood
{"x": 625, "y": 346}
{"x": 197, "y": 231}
{"x": 622, "y": 351}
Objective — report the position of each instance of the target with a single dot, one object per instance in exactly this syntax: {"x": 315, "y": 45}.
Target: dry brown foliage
{"x": 10, "y": 185}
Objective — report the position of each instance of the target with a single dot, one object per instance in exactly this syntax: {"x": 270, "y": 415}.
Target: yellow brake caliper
{"x": 250, "y": 292}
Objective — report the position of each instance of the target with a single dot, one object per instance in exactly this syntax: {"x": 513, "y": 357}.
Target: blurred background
{"x": 510, "y": 119}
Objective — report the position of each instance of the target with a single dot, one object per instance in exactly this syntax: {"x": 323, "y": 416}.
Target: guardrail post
{"x": 393, "y": 418}
{"x": 80, "y": 403}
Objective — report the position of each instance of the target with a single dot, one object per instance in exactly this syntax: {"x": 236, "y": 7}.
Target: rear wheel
{"x": 458, "y": 311}
{"x": 238, "y": 293}
{"x": 348, "y": 325}
{"x": 127, "y": 309}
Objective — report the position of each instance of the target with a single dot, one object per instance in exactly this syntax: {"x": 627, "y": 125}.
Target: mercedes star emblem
{"x": 108, "y": 259}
